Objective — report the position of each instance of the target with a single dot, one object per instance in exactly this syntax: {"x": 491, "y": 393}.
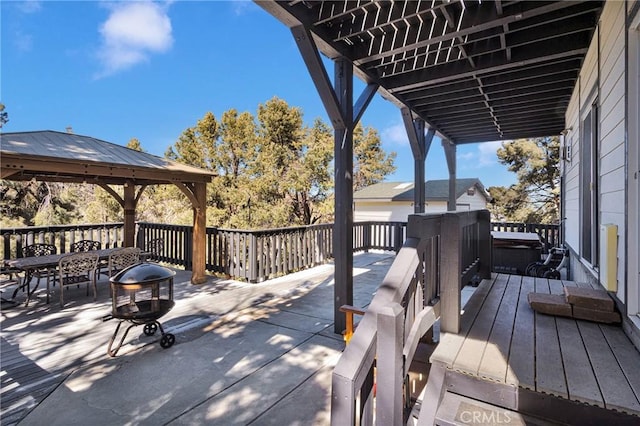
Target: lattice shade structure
{"x": 475, "y": 71}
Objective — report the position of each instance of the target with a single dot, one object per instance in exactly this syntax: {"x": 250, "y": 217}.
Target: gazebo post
{"x": 129, "y": 214}
{"x": 199, "y": 233}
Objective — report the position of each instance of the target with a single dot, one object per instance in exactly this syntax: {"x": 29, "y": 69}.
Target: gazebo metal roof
{"x": 475, "y": 71}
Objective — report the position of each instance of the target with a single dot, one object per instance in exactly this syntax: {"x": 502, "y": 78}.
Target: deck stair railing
{"x": 442, "y": 252}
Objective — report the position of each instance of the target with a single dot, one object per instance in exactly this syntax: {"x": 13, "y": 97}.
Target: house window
{"x": 589, "y": 184}
{"x": 471, "y": 191}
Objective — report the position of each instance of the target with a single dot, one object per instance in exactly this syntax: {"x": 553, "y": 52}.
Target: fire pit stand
{"x": 140, "y": 295}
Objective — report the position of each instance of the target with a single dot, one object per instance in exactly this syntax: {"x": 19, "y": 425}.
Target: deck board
{"x": 494, "y": 364}
{"x": 549, "y": 372}
{"x": 581, "y": 387}
{"x": 470, "y": 354}
{"x": 616, "y": 391}
{"x": 522, "y": 351}
{"x": 626, "y": 355}
{"x": 450, "y": 343}
{"x": 505, "y": 343}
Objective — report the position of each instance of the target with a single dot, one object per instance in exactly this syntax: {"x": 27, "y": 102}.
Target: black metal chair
{"x": 85, "y": 245}
{"x": 89, "y": 245}
{"x": 76, "y": 269}
{"x": 38, "y": 249}
{"x": 122, "y": 258}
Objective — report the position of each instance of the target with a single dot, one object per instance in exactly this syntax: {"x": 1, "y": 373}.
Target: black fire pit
{"x": 141, "y": 294}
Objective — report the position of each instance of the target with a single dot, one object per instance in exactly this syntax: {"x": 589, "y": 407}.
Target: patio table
{"x": 31, "y": 263}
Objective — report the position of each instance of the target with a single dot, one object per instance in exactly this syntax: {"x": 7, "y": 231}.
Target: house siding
{"x": 382, "y": 211}
{"x": 399, "y": 211}
{"x": 603, "y": 70}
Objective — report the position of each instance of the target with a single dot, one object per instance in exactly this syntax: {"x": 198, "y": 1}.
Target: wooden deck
{"x": 509, "y": 356}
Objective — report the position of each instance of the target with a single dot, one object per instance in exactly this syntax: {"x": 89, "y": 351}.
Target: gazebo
{"x": 65, "y": 157}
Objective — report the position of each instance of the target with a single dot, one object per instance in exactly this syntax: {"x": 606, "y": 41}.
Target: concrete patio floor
{"x": 244, "y": 354}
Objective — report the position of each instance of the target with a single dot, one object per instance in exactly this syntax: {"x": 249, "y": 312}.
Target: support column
{"x": 199, "y": 260}
{"x": 420, "y": 144}
{"x": 129, "y": 206}
{"x": 450, "y": 154}
{"x": 343, "y": 222}
{"x": 338, "y": 102}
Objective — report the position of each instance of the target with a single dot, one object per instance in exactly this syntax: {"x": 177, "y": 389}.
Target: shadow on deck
{"x": 244, "y": 353}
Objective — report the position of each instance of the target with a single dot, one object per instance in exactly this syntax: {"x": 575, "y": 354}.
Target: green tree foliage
{"x": 371, "y": 163}
{"x": 271, "y": 171}
{"x": 4, "y": 116}
{"x": 535, "y": 198}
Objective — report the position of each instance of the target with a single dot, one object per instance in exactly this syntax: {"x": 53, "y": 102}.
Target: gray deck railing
{"x": 442, "y": 252}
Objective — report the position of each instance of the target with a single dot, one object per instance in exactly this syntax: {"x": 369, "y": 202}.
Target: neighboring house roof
{"x": 435, "y": 190}
{"x": 48, "y": 154}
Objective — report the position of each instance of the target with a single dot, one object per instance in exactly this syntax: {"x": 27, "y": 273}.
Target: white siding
{"x": 399, "y": 211}
{"x": 471, "y": 202}
{"x": 609, "y": 80}
{"x": 382, "y": 211}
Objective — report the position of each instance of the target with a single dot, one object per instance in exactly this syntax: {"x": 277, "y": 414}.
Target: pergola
{"x": 464, "y": 70}
{"x": 65, "y": 157}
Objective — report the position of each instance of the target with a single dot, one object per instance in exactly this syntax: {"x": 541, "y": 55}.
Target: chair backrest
{"x": 85, "y": 245}
{"x": 39, "y": 249}
{"x": 123, "y": 257}
{"x": 78, "y": 263}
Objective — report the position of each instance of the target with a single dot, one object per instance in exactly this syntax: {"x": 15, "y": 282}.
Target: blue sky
{"x": 119, "y": 70}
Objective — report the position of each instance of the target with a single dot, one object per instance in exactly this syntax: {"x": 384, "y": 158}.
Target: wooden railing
{"x": 442, "y": 252}
{"x": 62, "y": 236}
{"x": 250, "y": 255}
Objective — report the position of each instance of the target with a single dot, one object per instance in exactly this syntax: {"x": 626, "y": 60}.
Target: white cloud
{"x": 395, "y": 133}
{"x": 242, "y": 7}
{"x": 131, "y": 33}
{"x": 487, "y": 153}
{"x": 29, "y": 6}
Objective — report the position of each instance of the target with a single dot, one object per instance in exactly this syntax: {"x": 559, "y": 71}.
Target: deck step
{"x": 457, "y": 410}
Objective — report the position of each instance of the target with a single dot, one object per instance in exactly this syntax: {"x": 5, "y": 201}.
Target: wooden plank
{"x": 582, "y": 385}
{"x": 549, "y": 372}
{"x": 470, "y": 354}
{"x": 494, "y": 364}
{"x": 626, "y": 354}
{"x": 450, "y": 343}
{"x": 616, "y": 391}
{"x": 522, "y": 351}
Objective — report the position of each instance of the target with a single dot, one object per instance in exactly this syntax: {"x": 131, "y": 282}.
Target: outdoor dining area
{"x": 84, "y": 264}
{"x": 243, "y": 352}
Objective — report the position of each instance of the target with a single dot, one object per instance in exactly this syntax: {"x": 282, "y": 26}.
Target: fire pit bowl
{"x": 140, "y": 294}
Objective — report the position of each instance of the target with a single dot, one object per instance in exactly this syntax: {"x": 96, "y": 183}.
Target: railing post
{"x": 253, "y": 258}
{"x": 450, "y": 273}
{"x": 485, "y": 244}
{"x": 389, "y": 397}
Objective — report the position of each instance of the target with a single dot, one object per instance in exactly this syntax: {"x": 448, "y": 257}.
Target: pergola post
{"x": 450, "y": 154}
{"x": 338, "y": 102}
{"x": 343, "y": 214}
{"x": 420, "y": 144}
